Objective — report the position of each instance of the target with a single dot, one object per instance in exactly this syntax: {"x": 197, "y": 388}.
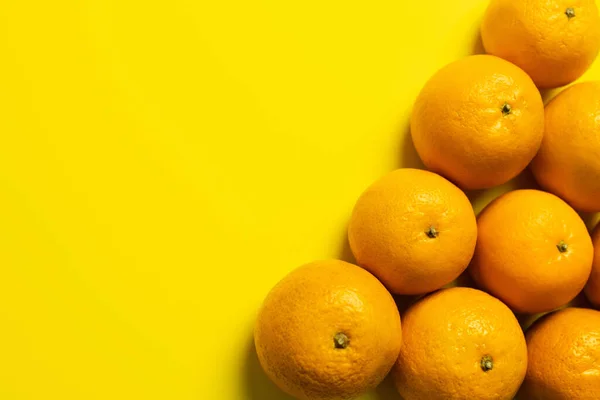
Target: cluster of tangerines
{"x": 331, "y": 330}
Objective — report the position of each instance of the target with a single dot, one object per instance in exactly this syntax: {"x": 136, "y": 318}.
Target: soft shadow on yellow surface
{"x": 528, "y": 320}
{"x": 481, "y": 198}
{"x": 387, "y": 390}
{"x": 478, "y": 45}
{"x": 591, "y": 219}
{"x": 345, "y": 250}
{"x": 548, "y": 94}
{"x": 409, "y": 158}
{"x": 258, "y": 385}
{"x": 464, "y": 280}
{"x": 403, "y": 302}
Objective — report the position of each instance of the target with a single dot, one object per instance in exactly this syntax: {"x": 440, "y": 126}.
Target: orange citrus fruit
{"x": 568, "y": 163}
{"x": 533, "y": 251}
{"x": 414, "y": 230}
{"x": 460, "y": 343}
{"x": 328, "y": 330}
{"x": 592, "y": 289}
{"x": 478, "y": 121}
{"x": 554, "y": 41}
{"x": 564, "y": 357}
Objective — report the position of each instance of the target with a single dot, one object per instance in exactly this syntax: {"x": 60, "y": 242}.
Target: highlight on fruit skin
{"x": 328, "y": 330}
{"x": 563, "y": 356}
{"x": 554, "y": 41}
{"x": 568, "y": 162}
{"x": 460, "y": 343}
{"x": 478, "y": 121}
{"x": 414, "y": 230}
{"x": 533, "y": 251}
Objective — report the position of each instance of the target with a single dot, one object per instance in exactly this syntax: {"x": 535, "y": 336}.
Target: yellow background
{"x": 164, "y": 163}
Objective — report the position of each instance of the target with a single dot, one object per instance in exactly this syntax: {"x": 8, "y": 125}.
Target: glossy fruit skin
{"x": 301, "y": 316}
{"x": 592, "y": 289}
{"x": 478, "y": 121}
{"x": 564, "y": 357}
{"x": 518, "y": 258}
{"x": 446, "y": 336}
{"x": 389, "y": 231}
{"x": 554, "y": 41}
{"x": 568, "y": 163}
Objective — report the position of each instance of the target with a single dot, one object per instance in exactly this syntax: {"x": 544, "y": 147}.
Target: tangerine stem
{"x": 562, "y": 246}
{"x": 570, "y": 12}
{"x": 432, "y": 232}
{"x": 487, "y": 363}
{"x": 340, "y": 340}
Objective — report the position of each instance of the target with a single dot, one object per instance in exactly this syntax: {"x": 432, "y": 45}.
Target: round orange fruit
{"x": 414, "y": 230}
{"x": 458, "y": 344}
{"x": 478, "y": 121}
{"x": 592, "y": 289}
{"x": 568, "y": 163}
{"x": 328, "y": 330}
{"x": 564, "y": 357}
{"x": 554, "y": 41}
{"x": 533, "y": 251}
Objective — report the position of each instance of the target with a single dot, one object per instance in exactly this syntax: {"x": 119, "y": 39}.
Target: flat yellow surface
{"x": 164, "y": 163}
